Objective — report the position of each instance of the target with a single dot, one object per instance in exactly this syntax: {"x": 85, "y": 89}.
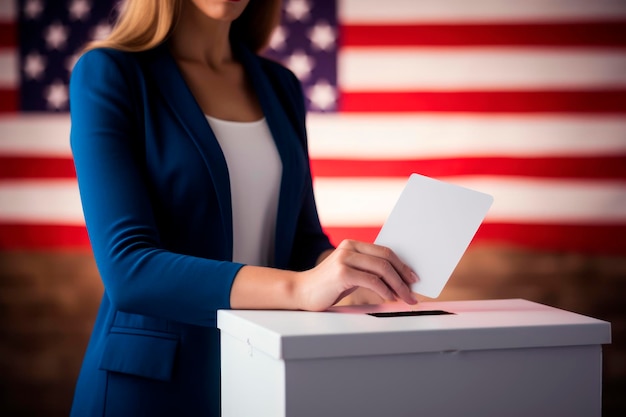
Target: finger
{"x": 383, "y": 269}
{"x": 372, "y": 282}
{"x": 405, "y": 271}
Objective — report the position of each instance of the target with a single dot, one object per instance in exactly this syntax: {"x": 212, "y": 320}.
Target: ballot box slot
{"x": 410, "y": 313}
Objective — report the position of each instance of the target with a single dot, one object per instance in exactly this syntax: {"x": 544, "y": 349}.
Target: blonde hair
{"x": 144, "y": 24}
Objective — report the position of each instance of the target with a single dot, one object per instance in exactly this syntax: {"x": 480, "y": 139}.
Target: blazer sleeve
{"x": 139, "y": 275}
{"x": 310, "y": 240}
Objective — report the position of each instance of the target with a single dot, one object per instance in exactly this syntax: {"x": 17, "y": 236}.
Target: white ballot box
{"x": 457, "y": 358}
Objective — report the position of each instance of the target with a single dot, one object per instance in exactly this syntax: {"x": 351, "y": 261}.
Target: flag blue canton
{"x": 51, "y": 37}
{"x": 307, "y": 42}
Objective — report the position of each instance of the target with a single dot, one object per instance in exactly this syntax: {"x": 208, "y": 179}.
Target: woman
{"x": 190, "y": 153}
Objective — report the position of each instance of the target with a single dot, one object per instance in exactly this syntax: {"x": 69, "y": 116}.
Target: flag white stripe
{"x": 35, "y": 135}
{"x": 9, "y": 68}
{"x": 479, "y": 69}
{"x": 362, "y": 202}
{"x": 411, "y": 11}
{"x": 367, "y": 136}
{"x": 8, "y": 10}
{"x": 366, "y": 201}
{"x": 552, "y": 201}
{"x": 39, "y": 202}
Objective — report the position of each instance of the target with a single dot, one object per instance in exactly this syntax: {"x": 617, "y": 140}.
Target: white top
{"x": 255, "y": 170}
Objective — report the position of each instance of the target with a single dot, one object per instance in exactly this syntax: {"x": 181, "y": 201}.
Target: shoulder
{"x": 101, "y": 65}
{"x": 106, "y": 77}
{"x": 102, "y": 57}
{"x": 109, "y": 59}
{"x": 121, "y": 70}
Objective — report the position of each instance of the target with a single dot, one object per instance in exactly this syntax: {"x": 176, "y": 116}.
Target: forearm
{"x": 263, "y": 288}
{"x": 340, "y": 272}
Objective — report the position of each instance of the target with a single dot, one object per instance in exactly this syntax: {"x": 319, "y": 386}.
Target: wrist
{"x": 289, "y": 289}
{"x": 264, "y": 288}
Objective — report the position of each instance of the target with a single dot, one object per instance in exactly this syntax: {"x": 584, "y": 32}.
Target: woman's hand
{"x": 351, "y": 266}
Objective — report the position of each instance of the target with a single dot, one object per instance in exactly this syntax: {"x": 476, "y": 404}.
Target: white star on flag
{"x": 301, "y": 64}
{"x": 79, "y": 9}
{"x": 56, "y": 95}
{"x": 322, "y": 95}
{"x": 56, "y": 36}
{"x": 277, "y": 40}
{"x": 322, "y": 36}
{"x": 299, "y": 10}
{"x": 34, "y": 65}
{"x": 32, "y": 9}
{"x": 100, "y": 31}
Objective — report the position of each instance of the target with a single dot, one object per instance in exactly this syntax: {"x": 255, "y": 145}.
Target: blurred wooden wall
{"x": 48, "y": 302}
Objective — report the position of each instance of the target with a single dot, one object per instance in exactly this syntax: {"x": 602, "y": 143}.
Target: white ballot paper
{"x": 431, "y": 226}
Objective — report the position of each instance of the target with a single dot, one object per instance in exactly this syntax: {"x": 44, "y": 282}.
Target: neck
{"x": 201, "y": 39}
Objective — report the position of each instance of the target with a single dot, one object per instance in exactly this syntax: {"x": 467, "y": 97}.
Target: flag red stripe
{"x": 8, "y": 35}
{"x": 601, "y": 239}
{"x": 601, "y": 167}
{"x": 609, "y": 101}
{"x": 43, "y": 237}
{"x": 577, "y": 34}
{"x": 9, "y": 100}
{"x": 592, "y": 239}
{"x": 35, "y": 167}
{"x": 609, "y": 167}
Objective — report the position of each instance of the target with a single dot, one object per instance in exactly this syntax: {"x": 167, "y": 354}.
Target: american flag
{"x": 524, "y": 100}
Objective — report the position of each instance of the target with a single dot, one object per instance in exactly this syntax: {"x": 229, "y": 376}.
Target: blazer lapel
{"x": 291, "y": 155}
{"x": 168, "y": 79}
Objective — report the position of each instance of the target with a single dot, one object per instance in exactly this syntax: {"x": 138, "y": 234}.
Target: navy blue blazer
{"x": 156, "y": 198}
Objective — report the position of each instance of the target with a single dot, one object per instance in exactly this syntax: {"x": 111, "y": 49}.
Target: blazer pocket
{"x": 144, "y": 353}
